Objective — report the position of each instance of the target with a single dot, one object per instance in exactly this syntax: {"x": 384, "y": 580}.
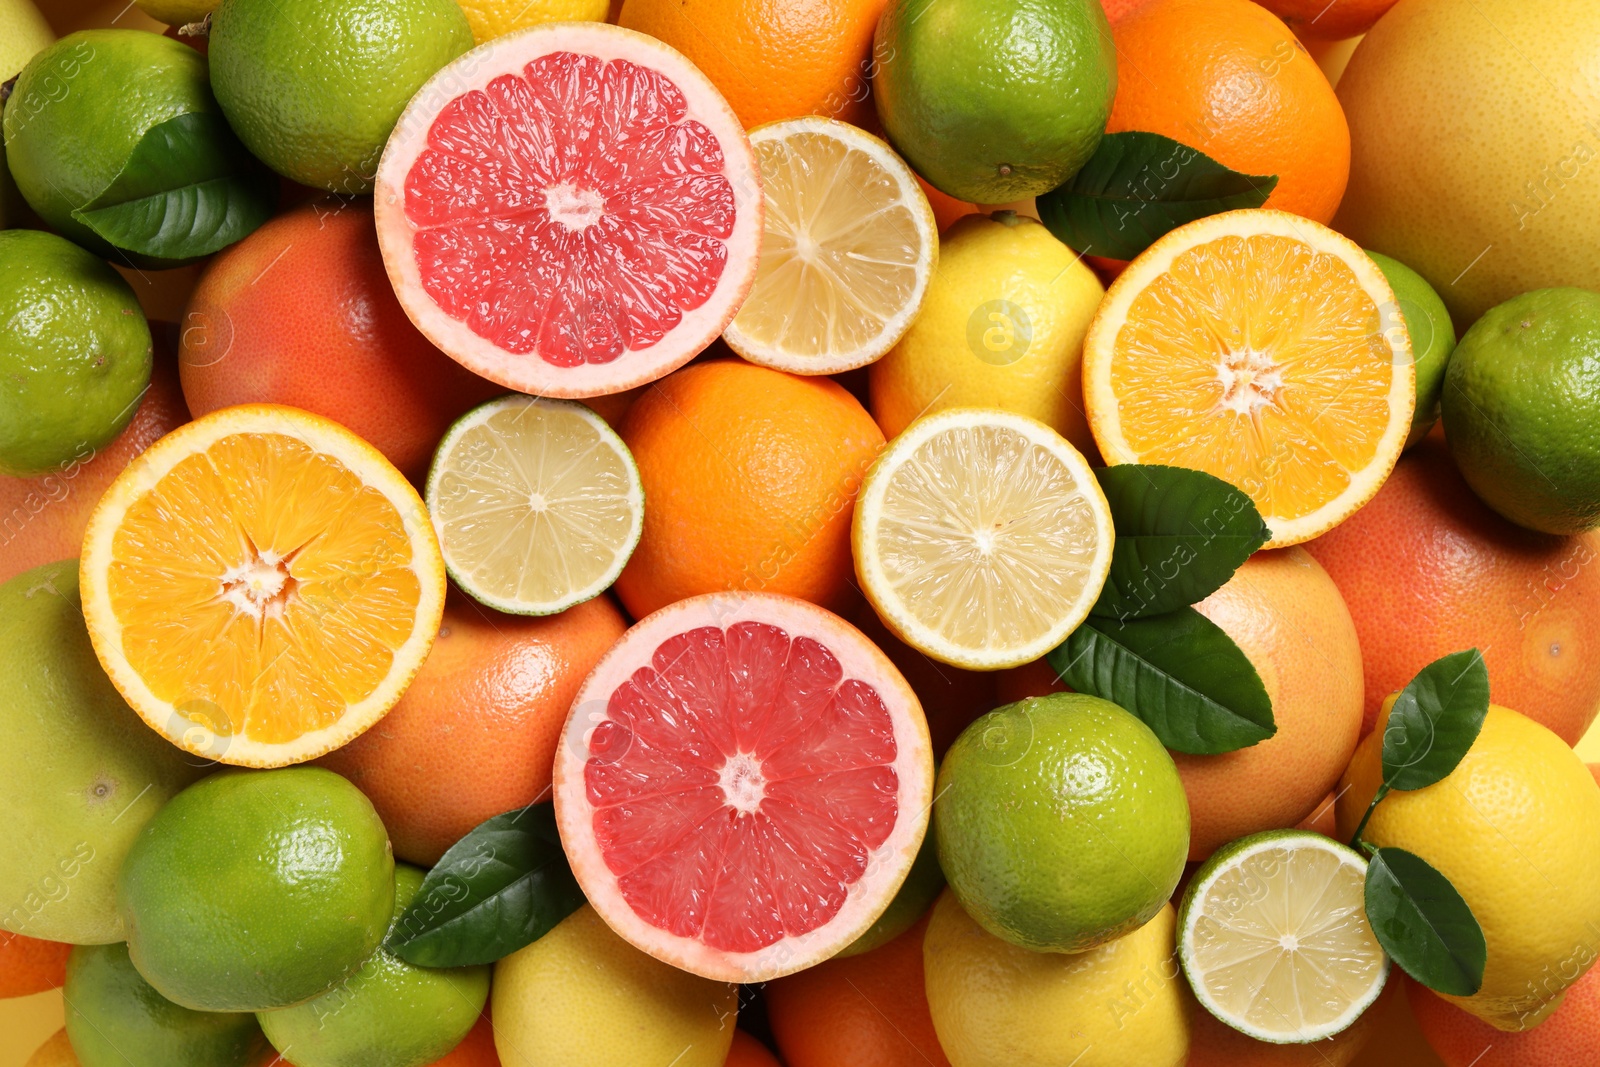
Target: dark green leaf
{"x": 1180, "y": 535}
{"x": 1423, "y": 924}
{"x": 188, "y": 189}
{"x": 1435, "y": 720}
{"x": 503, "y": 886}
{"x": 1179, "y": 672}
{"x": 1139, "y": 186}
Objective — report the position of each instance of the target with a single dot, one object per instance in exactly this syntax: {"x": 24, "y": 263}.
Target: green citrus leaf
{"x": 1179, "y": 672}
{"x": 1423, "y": 924}
{"x": 503, "y": 886}
{"x": 1435, "y": 720}
{"x": 1137, "y": 187}
{"x": 1180, "y": 535}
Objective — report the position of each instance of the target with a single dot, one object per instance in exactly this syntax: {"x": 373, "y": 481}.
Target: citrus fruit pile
{"x": 810, "y": 533}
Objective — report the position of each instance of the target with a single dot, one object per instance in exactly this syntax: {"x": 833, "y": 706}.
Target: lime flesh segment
{"x": 537, "y": 502}
{"x": 1274, "y": 939}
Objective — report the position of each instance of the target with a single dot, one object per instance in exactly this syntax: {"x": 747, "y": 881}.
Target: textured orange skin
{"x": 1227, "y": 77}
{"x": 748, "y": 1052}
{"x": 1570, "y": 1037}
{"x": 1324, "y": 820}
{"x": 29, "y": 966}
{"x": 1213, "y": 1043}
{"x": 475, "y": 734}
{"x": 750, "y": 478}
{"x": 1427, "y": 569}
{"x": 776, "y": 59}
{"x": 946, "y": 208}
{"x": 862, "y": 1011}
{"x": 42, "y": 519}
{"x": 1324, "y": 21}
{"x": 301, "y": 312}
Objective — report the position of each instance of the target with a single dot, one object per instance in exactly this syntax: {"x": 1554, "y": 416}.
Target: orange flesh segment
{"x": 1251, "y": 358}
{"x": 290, "y": 663}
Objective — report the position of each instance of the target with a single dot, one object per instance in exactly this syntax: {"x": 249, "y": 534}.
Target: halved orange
{"x": 261, "y": 585}
{"x": 1265, "y": 349}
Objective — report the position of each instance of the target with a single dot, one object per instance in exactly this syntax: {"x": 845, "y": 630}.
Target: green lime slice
{"x": 537, "y": 502}
{"x": 1274, "y": 940}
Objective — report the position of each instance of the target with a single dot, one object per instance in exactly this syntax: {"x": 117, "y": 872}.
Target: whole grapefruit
{"x": 1427, "y": 569}
{"x": 301, "y": 312}
{"x": 1472, "y": 137}
{"x": 475, "y": 734}
{"x": 1569, "y": 1037}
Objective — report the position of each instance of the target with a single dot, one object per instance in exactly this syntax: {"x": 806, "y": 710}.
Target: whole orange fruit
{"x": 29, "y": 965}
{"x": 750, "y": 478}
{"x": 1427, "y": 569}
{"x": 1328, "y": 20}
{"x": 1569, "y": 1037}
{"x": 865, "y": 1011}
{"x": 748, "y": 1052}
{"x": 1227, "y": 77}
{"x": 42, "y": 519}
{"x": 475, "y": 735}
{"x": 772, "y": 60}
{"x": 301, "y": 312}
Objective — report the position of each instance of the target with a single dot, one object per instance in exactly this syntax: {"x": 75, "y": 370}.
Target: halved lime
{"x": 1274, "y": 940}
{"x": 537, "y": 502}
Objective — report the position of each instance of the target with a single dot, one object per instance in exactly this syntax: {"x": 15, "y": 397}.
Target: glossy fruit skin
{"x": 85, "y": 773}
{"x": 115, "y": 1018}
{"x": 1570, "y": 1037}
{"x": 301, "y": 312}
{"x": 496, "y": 18}
{"x": 289, "y": 869}
{"x": 1427, "y": 322}
{"x": 750, "y": 476}
{"x": 389, "y": 1014}
{"x": 1061, "y": 822}
{"x": 1427, "y": 551}
{"x": 1465, "y": 166}
{"x": 1516, "y": 829}
{"x": 1521, "y": 401}
{"x": 1227, "y": 77}
{"x": 748, "y": 1052}
{"x": 1284, "y": 611}
{"x": 29, "y": 965}
{"x": 866, "y": 1011}
{"x": 1320, "y": 20}
{"x": 987, "y": 133}
{"x": 772, "y": 61}
{"x": 476, "y": 1049}
{"x": 582, "y": 997}
{"x": 475, "y": 733}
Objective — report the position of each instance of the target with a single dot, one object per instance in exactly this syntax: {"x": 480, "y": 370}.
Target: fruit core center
{"x": 1250, "y": 381}
{"x": 1288, "y": 942}
{"x": 743, "y": 784}
{"x": 574, "y": 208}
{"x": 259, "y": 586}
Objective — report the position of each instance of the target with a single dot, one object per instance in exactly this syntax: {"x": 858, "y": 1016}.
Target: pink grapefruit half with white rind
{"x": 743, "y": 784}
{"x": 571, "y": 211}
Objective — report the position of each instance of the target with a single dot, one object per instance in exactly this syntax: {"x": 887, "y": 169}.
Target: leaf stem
{"x": 1355, "y": 838}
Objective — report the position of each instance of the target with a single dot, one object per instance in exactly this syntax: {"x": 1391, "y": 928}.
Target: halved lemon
{"x": 1262, "y": 348}
{"x": 981, "y": 537}
{"x": 849, "y": 247}
{"x": 261, "y": 585}
{"x": 537, "y": 503}
{"x": 1274, "y": 940}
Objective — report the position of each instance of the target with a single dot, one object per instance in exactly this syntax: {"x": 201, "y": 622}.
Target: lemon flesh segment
{"x": 1275, "y": 941}
{"x": 982, "y": 537}
{"x": 537, "y": 502}
{"x": 847, "y": 253}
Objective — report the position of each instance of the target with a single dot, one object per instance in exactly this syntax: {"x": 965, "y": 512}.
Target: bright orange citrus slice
{"x": 261, "y": 585}
{"x": 1263, "y": 348}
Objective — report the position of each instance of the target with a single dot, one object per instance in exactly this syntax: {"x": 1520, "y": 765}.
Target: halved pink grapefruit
{"x": 744, "y": 783}
{"x": 572, "y": 210}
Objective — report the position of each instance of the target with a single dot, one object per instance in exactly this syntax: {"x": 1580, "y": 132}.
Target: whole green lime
{"x": 115, "y": 1019}
{"x": 391, "y": 1014}
{"x": 1062, "y": 822}
{"x": 81, "y": 106}
{"x": 1521, "y": 409}
{"x": 75, "y": 353}
{"x": 313, "y": 87}
{"x": 994, "y": 100}
{"x": 82, "y": 772}
{"x": 1433, "y": 338}
{"x": 255, "y": 890}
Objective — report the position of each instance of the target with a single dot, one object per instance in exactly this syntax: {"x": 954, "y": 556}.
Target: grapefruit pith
{"x": 571, "y": 211}
{"x": 743, "y": 784}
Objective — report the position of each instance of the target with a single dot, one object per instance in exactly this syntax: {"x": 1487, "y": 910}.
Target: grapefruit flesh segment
{"x": 745, "y": 783}
{"x": 570, "y": 211}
